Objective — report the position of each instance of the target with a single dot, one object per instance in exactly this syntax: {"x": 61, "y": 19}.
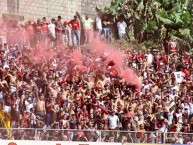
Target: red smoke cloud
{"x": 110, "y": 53}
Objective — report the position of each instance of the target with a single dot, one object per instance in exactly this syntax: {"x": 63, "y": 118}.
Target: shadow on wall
{"x": 11, "y": 6}
{"x": 7, "y": 17}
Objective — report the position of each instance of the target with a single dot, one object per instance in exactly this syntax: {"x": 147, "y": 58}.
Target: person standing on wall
{"x": 66, "y": 35}
{"x": 121, "y": 25}
{"x": 15, "y": 31}
{"x": 52, "y": 32}
{"x": 22, "y": 35}
{"x": 74, "y": 24}
{"x": 3, "y": 32}
{"x": 106, "y": 28}
{"x": 30, "y": 32}
{"x": 38, "y": 31}
{"x": 88, "y": 26}
{"x": 98, "y": 26}
{"x": 59, "y": 38}
{"x": 44, "y": 32}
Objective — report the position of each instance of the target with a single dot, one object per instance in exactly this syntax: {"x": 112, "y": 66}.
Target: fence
{"x": 116, "y": 136}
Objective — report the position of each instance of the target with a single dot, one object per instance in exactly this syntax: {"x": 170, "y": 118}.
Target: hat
{"x": 111, "y": 63}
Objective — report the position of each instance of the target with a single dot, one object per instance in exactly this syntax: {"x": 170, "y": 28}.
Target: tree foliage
{"x": 156, "y": 20}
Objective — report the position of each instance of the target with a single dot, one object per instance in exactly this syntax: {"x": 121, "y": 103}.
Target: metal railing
{"x": 95, "y": 135}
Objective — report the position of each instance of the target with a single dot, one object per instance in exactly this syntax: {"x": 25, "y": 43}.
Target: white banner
{"x": 5, "y": 142}
{"x": 179, "y": 76}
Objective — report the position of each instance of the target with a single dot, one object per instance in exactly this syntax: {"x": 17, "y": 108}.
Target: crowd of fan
{"x": 57, "y": 95}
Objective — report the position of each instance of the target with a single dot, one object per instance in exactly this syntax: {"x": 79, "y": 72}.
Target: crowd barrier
{"x": 53, "y": 143}
{"x": 102, "y": 136}
{"x": 13, "y": 142}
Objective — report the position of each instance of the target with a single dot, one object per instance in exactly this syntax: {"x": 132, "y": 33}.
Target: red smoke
{"x": 97, "y": 50}
{"x": 77, "y": 58}
{"x": 131, "y": 77}
{"x": 110, "y": 53}
{"x": 41, "y": 55}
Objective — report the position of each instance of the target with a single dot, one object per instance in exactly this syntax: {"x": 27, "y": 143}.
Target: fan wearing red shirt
{"x": 31, "y": 32}
{"x": 186, "y": 69}
{"x": 140, "y": 54}
{"x": 38, "y": 30}
{"x": 44, "y": 31}
{"x": 187, "y": 57}
{"x": 75, "y": 26}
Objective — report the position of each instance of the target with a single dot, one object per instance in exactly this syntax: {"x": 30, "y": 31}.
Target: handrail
{"x": 94, "y": 130}
{"x": 119, "y": 133}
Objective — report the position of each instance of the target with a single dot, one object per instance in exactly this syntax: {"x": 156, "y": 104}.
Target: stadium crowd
{"x": 54, "y": 94}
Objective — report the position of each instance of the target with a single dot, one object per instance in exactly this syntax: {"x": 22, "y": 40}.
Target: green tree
{"x": 156, "y": 20}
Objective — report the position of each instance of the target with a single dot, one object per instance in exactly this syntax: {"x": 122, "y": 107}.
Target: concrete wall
{"x": 33, "y": 9}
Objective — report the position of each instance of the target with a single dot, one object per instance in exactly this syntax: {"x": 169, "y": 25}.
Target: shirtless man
{"x": 133, "y": 105}
{"x": 90, "y": 82}
{"x": 64, "y": 93}
{"x": 13, "y": 78}
{"x": 53, "y": 90}
{"x": 40, "y": 106}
